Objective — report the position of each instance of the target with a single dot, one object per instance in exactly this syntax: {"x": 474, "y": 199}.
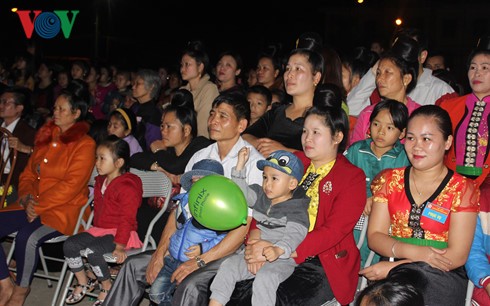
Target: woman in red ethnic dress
{"x": 424, "y": 215}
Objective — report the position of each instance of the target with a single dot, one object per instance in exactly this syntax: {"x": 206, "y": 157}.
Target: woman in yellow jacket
{"x": 52, "y": 189}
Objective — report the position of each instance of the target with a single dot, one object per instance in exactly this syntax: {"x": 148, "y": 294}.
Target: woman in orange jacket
{"x": 52, "y": 189}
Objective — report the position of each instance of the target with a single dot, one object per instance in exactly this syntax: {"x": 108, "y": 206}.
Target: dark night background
{"x": 143, "y": 33}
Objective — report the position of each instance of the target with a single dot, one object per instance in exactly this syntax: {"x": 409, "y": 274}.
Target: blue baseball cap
{"x": 201, "y": 168}
{"x": 283, "y": 161}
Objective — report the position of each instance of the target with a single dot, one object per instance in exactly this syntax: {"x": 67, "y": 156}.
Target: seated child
{"x": 117, "y": 197}
{"x": 260, "y": 99}
{"x": 122, "y": 123}
{"x": 191, "y": 238}
{"x": 280, "y": 210}
{"x": 383, "y": 150}
{"x": 116, "y": 97}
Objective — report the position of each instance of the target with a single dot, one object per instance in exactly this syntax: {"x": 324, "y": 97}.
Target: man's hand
{"x": 254, "y": 251}
{"x": 255, "y": 267}
{"x": 154, "y": 267}
{"x": 183, "y": 270}
{"x": 15, "y": 143}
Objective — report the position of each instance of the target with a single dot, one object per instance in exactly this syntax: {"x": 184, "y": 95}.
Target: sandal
{"x": 100, "y": 302}
{"x": 114, "y": 270}
{"x": 74, "y": 298}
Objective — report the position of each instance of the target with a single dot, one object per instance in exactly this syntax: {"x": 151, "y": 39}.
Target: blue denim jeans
{"x": 162, "y": 289}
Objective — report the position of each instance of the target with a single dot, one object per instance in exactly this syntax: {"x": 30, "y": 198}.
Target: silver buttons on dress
{"x": 472, "y": 134}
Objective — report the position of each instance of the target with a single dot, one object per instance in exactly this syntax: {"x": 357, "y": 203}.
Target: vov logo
{"x": 47, "y": 24}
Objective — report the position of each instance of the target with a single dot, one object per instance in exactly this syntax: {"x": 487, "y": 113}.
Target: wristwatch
{"x": 200, "y": 262}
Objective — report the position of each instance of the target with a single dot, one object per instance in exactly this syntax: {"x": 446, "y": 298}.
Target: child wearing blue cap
{"x": 190, "y": 239}
{"x": 281, "y": 212}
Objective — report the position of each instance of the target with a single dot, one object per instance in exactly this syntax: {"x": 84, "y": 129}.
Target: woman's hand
{"x": 436, "y": 259}
{"x": 174, "y": 178}
{"x": 119, "y": 254}
{"x": 183, "y": 270}
{"x": 266, "y": 146}
{"x": 157, "y": 145}
{"x": 30, "y": 211}
{"x": 154, "y": 267}
{"x": 367, "y": 207}
{"x": 254, "y": 251}
{"x": 379, "y": 270}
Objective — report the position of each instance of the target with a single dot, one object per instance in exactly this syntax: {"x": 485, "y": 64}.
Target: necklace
{"x": 415, "y": 184}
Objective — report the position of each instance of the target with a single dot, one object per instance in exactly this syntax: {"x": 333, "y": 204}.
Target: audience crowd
{"x": 385, "y": 138}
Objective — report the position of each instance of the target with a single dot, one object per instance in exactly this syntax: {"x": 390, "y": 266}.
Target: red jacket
{"x": 57, "y": 174}
{"x": 342, "y": 200}
{"x": 457, "y": 108}
{"x": 118, "y": 206}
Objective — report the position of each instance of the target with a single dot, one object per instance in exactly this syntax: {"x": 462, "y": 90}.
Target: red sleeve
{"x": 375, "y": 97}
{"x": 130, "y": 193}
{"x": 253, "y": 225}
{"x": 446, "y": 97}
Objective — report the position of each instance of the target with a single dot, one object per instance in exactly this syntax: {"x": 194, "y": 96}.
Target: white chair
{"x": 155, "y": 184}
{"x": 469, "y": 293}
{"x": 369, "y": 260}
{"x": 362, "y": 238}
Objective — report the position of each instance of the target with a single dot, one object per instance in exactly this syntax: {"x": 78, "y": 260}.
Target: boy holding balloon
{"x": 280, "y": 210}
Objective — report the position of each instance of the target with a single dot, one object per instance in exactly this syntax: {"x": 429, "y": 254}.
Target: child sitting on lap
{"x": 191, "y": 239}
{"x": 280, "y": 210}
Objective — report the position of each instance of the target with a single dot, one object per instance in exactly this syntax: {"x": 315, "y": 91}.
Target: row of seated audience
{"x": 415, "y": 168}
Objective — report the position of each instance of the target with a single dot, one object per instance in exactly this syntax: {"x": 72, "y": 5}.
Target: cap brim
{"x": 261, "y": 164}
{"x": 186, "y": 178}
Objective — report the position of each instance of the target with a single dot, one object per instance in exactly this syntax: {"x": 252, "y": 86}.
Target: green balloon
{"x": 218, "y": 203}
